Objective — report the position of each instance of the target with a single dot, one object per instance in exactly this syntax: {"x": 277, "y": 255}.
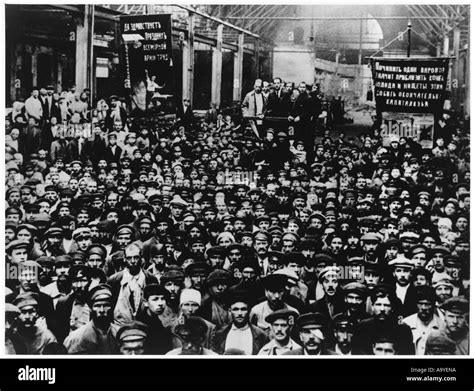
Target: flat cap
{"x": 371, "y": 237}
{"x": 155, "y": 290}
{"x": 26, "y": 299}
{"x": 81, "y": 232}
{"x": 343, "y": 322}
{"x": 313, "y": 320}
{"x": 217, "y": 276}
{"x": 131, "y": 332}
{"x": 197, "y": 267}
{"x": 285, "y": 314}
{"x": 100, "y": 292}
{"x": 402, "y": 261}
{"x": 355, "y": 287}
{"x": 439, "y": 340}
{"x": 456, "y": 304}
{"x": 275, "y": 282}
{"x": 15, "y": 245}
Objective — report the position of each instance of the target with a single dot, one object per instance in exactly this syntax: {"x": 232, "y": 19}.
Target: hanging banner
{"x": 410, "y": 85}
{"x": 148, "y": 58}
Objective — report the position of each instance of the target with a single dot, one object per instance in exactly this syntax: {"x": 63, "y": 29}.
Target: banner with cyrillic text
{"x": 410, "y": 85}
{"x": 148, "y": 57}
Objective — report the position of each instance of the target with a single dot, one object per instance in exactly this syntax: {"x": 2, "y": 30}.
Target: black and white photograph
{"x": 237, "y": 180}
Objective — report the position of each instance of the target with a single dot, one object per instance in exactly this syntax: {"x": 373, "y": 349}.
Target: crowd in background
{"x": 268, "y": 232}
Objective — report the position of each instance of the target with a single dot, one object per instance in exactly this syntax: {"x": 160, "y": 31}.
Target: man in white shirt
{"x": 426, "y": 319}
{"x": 281, "y": 322}
{"x": 33, "y": 106}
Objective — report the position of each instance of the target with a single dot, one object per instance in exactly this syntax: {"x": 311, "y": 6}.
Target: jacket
{"x": 249, "y": 105}
{"x": 259, "y": 336}
{"x": 90, "y": 340}
{"x": 368, "y": 330}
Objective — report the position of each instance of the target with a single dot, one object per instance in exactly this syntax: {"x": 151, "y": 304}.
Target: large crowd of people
{"x": 266, "y": 233}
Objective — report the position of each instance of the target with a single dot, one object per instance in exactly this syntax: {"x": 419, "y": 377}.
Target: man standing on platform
{"x": 254, "y": 105}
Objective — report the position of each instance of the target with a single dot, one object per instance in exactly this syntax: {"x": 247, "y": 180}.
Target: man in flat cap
{"x": 35, "y": 336}
{"x": 16, "y": 251}
{"x": 275, "y": 290}
{"x": 262, "y": 241}
{"x": 439, "y": 344}
{"x": 155, "y": 301}
{"x": 240, "y": 333}
{"x": 197, "y": 273}
{"x": 132, "y": 339}
{"x": 214, "y": 307}
{"x": 385, "y": 321}
{"x": 192, "y": 333}
{"x": 343, "y": 329}
{"x": 53, "y": 238}
{"x": 332, "y": 302}
{"x": 82, "y": 239}
{"x": 312, "y": 332}
{"x": 282, "y": 322}
{"x": 72, "y": 310}
{"x": 456, "y": 310}
{"x": 173, "y": 281}
{"x": 98, "y": 335}
{"x": 404, "y": 289}
{"x": 128, "y": 285}
{"x": 370, "y": 242}
{"x": 13, "y": 343}
{"x": 28, "y": 281}
{"x": 426, "y": 319}
{"x": 355, "y": 301}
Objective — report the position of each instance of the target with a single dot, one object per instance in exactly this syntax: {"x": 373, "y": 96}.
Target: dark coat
{"x": 62, "y": 317}
{"x": 260, "y": 339}
{"x": 45, "y": 306}
{"x": 321, "y": 305}
{"x": 276, "y": 105}
{"x": 113, "y": 157}
{"x": 160, "y": 339}
{"x": 115, "y": 279}
{"x": 186, "y": 117}
{"x": 368, "y": 330}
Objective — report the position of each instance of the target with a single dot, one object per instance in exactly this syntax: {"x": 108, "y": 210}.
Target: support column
{"x": 217, "y": 68}
{"x": 446, "y": 45}
{"x": 188, "y": 61}
{"x": 467, "y": 90}
{"x": 238, "y": 69}
{"x": 34, "y": 67}
{"x": 59, "y": 85}
{"x": 84, "y": 57}
{"x": 456, "y": 81}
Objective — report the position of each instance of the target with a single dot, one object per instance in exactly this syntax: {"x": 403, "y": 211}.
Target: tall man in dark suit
{"x": 276, "y": 100}
{"x": 185, "y": 115}
{"x": 113, "y": 152}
